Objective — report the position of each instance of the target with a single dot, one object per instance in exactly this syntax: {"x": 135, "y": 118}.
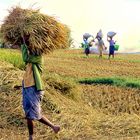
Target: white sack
{"x": 100, "y": 34}
{"x": 111, "y": 34}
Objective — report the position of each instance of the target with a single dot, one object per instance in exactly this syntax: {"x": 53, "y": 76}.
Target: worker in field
{"x": 86, "y": 43}
{"x": 101, "y": 46}
{"x": 111, "y": 47}
{"x": 32, "y": 89}
{"x": 88, "y": 39}
{"x": 86, "y": 47}
{"x": 110, "y": 36}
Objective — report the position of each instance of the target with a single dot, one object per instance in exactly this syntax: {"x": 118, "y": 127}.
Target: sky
{"x": 82, "y": 16}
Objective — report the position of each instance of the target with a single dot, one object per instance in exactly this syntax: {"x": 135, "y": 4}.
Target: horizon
{"x": 91, "y": 16}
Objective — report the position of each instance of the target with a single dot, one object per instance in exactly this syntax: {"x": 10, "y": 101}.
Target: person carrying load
{"x": 33, "y": 89}
{"x": 86, "y": 44}
{"x": 101, "y": 45}
{"x": 110, "y": 36}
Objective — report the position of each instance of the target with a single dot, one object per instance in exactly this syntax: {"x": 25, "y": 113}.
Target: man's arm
{"x": 24, "y": 53}
{"x": 108, "y": 39}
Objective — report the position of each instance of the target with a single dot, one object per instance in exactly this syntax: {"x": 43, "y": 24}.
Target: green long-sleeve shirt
{"x": 37, "y": 63}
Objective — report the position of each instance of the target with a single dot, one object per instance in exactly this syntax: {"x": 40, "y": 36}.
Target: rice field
{"x": 73, "y": 63}
{"x": 91, "y": 98}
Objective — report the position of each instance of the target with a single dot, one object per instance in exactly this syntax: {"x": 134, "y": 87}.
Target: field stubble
{"x": 99, "y": 112}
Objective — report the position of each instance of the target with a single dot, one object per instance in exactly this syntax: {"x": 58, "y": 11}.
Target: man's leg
{"x": 45, "y": 121}
{"x": 109, "y": 56}
{"x": 100, "y": 53}
{"x": 113, "y": 56}
{"x": 30, "y": 128}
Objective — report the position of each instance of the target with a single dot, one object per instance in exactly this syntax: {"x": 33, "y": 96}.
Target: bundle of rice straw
{"x": 46, "y": 33}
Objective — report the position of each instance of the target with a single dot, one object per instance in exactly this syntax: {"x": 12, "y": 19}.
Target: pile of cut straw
{"x": 46, "y": 33}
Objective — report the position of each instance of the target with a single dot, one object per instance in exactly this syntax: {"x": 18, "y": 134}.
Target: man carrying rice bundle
{"x": 32, "y": 89}
{"x": 36, "y": 34}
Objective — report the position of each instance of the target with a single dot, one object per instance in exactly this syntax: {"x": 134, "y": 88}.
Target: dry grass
{"x": 73, "y": 63}
{"x": 112, "y": 100}
{"x": 85, "y": 112}
{"x": 46, "y": 32}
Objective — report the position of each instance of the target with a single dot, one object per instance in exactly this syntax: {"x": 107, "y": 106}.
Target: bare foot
{"x": 56, "y": 129}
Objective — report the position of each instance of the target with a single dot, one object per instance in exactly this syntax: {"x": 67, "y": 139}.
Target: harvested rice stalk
{"x": 46, "y": 33}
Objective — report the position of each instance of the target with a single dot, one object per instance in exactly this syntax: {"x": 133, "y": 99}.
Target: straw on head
{"x": 46, "y": 33}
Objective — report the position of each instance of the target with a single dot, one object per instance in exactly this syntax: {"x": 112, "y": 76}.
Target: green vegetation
{"x": 13, "y": 57}
{"x": 122, "y": 82}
